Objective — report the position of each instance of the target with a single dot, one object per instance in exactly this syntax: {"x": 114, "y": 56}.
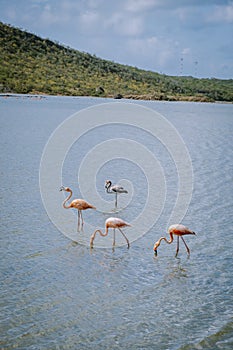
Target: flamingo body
{"x": 81, "y": 204}
{"x": 114, "y": 223}
{"x": 118, "y": 189}
{"x": 179, "y": 230}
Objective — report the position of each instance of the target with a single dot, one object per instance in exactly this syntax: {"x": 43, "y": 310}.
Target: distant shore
{"x": 35, "y": 66}
{"x": 139, "y": 98}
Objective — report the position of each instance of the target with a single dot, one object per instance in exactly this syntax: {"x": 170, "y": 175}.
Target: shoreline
{"x": 138, "y": 98}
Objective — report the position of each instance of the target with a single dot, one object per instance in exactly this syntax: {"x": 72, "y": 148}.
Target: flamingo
{"x": 111, "y": 223}
{"x": 179, "y": 230}
{"x": 114, "y": 189}
{"x": 79, "y": 204}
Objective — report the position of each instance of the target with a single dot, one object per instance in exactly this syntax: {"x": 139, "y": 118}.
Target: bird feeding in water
{"x": 179, "y": 230}
{"x": 114, "y": 189}
{"x": 79, "y": 204}
{"x": 114, "y": 223}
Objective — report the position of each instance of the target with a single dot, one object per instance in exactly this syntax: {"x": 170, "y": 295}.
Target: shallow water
{"x": 59, "y": 294}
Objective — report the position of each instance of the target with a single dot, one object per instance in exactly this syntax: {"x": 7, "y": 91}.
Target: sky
{"x": 172, "y": 37}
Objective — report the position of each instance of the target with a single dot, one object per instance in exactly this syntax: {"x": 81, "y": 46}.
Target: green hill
{"x": 32, "y": 65}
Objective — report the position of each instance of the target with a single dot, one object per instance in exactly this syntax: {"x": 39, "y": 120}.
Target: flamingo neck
{"x": 108, "y": 189}
{"x": 103, "y": 234}
{"x": 66, "y": 200}
{"x": 165, "y": 239}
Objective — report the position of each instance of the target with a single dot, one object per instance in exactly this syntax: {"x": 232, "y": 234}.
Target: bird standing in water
{"x": 111, "y": 223}
{"x": 79, "y": 204}
{"x": 179, "y": 230}
{"x": 114, "y": 189}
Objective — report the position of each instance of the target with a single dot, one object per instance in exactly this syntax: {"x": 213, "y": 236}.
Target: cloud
{"x": 186, "y": 51}
{"x": 139, "y": 5}
{"x": 48, "y": 15}
{"x": 221, "y": 14}
{"x": 43, "y": 13}
{"x": 94, "y": 4}
{"x": 11, "y": 13}
{"x": 153, "y": 49}
{"x": 125, "y": 25}
{"x": 89, "y": 19}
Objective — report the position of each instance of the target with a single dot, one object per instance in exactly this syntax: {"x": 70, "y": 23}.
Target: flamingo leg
{"x": 177, "y": 247}
{"x": 78, "y": 221}
{"x": 124, "y": 236}
{"x": 81, "y": 215}
{"x": 114, "y": 237}
{"x": 188, "y": 251}
{"x": 116, "y": 201}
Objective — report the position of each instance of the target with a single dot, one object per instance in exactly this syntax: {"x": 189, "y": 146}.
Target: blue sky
{"x": 174, "y": 37}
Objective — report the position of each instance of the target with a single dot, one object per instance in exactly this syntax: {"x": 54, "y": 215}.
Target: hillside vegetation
{"x": 32, "y": 65}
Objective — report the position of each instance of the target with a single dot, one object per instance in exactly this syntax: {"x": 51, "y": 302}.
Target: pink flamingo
{"x": 111, "y": 223}
{"x": 179, "y": 230}
{"x": 79, "y": 204}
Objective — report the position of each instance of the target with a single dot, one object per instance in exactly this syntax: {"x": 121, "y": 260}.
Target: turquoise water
{"x": 58, "y": 294}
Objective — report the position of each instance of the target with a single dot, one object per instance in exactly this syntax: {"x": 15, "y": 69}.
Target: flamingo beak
{"x": 155, "y": 251}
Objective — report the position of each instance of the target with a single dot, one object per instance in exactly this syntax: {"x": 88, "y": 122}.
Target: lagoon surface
{"x": 56, "y": 293}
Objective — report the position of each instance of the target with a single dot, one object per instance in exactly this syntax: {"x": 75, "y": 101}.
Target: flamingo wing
{"x": 180, "y": 230}
{"x": 81, "y": 204}
{"x": 117, "y": 188}
{"x": 116, "y": 222}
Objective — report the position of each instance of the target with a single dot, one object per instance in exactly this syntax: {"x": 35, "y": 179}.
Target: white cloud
{"x": 139, "y": 5}
{"x": 221, "y": 14}
{"x": 89, "y": 18}
{"x": 154, "y": 49}
{"x": 94, "y": 4}
{"x": 182, "y": 13}
{"x": 48, "y": 16}
{"x": 186, "y": 51}
{"x": 70, "y": 7}
{"x": 161, "y": 54}
{"x": 122, "y": 24}
{"x": 11, "y": 13}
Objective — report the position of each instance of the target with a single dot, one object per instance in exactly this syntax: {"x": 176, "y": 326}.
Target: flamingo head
{"x": 108, "y": 184}
{"x": 155, "y": 248}
{"x": 67, "y": 189}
